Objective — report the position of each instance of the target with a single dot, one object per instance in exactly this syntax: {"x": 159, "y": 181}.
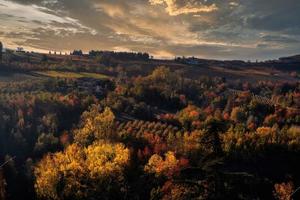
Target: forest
{"x": 146, "y": 135}
{"x": 149, "y": 99}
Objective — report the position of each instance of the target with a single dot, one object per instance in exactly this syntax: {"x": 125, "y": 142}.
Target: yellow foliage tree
{"x": 161, "y": 73}
{"x": 96, "y": 125}
{"x": 106, "y": 159}
{"x": 293, "y": 135}
{"x": 167, "y": 166}
{"x": 189, "y": 115}
{"x": 261, "y": 138}
{"x": 191, "y": 141}
{"x": 82, "y": 172}
{"x": 237, "y": 114}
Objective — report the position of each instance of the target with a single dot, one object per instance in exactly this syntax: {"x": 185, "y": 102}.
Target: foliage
{"x": 167, "y": 166}
{"x": 140, "y": 135}
{"x": 96, "y": 125}
{"x": 82, "y": 173}
{"x": 283, "y": 191}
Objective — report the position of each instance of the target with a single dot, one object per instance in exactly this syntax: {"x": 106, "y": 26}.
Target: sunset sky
{"x": 221, "y": 29}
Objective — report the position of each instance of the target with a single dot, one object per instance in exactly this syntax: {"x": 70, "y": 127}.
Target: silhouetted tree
{"x": 44, "y": 58}
{"x": 214, "y": 128}
{"x": 1, "y": 48}
{"x": 2, "y": 185}
{"x": 77, "y": 53}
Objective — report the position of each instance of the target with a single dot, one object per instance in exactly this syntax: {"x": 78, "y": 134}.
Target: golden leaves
{"x": 167, "y": 166}
{"x": 106, "y": 159}
{"x": 96, "y": 125}
{"x": 65, "y": 172}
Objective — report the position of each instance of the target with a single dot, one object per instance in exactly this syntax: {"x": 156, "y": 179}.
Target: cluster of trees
{"x": 125, "y": 56}
{"x": 120, "y": 55}
{"x": 35, "y": 119}
{"x": 77, "y": 53}
{"x": 160, "y": 136}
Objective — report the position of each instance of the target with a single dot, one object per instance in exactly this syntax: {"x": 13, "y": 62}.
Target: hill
{"x": 108, "y": 64}
{"x": 108, "y": 126}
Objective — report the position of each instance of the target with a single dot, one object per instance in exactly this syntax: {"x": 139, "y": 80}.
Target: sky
{"x": 217, "y": 29}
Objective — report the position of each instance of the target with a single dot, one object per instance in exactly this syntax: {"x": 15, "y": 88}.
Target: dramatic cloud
{"x": 223, "y": 29}
{"x": 19, "y": 22}
{"x": 174, "y": 8}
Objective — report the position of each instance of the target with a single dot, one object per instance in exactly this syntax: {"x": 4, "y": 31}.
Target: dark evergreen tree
{"x": 1, "y": 49}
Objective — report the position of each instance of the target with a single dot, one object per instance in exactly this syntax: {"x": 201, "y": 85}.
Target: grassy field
{"x": 61, "y": 74}
{"x": 12, "y": 76}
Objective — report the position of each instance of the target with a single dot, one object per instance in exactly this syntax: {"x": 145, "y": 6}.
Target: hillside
{"x": 118, "y": 127}
{"x": 284, "y": 69}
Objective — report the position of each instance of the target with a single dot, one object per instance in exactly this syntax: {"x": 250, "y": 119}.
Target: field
{"x": 63, "y": 74}
{"x": 14, "y": 77}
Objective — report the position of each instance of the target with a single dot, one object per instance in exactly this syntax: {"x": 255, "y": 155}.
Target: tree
{"x": 191, "y": 144}
{"x": 2, "y": 186}
{"x": 76, "y": 53}
{"x": 160, "y": 74}
{"x": 283, "y": 191}
{"x": 46, "y": 143}
{"x": 167, "y": 166}
{"x": 188, "y": 116}
{"x": 1, "y": 49}
{"x": 103, "y": 59}
{"x": 237, "y": 114}
{"x": 93, "y": 172}
{"x": 44, "y": 58}
{"x": 96, "y": 125}
{"x": 213, "y": 129}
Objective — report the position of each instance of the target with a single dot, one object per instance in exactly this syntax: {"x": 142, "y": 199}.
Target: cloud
{"x": 22, "y": 20}
{"x": 279, "y": 39}
{"x": 271, "y": 15}
{"x": 174, "y": 8}
{"x": 232, "y": 29}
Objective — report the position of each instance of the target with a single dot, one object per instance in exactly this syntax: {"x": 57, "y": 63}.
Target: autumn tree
{"x": 283, "y": 191}
{"x": 165, "y": 78}
{"x": 96, "y": 125}
{"x": 167, "y": 166}
{"x": 161, "y": 73}
{"x": 237, "y": 114}
{"x": 176, "y": 191}
{"x": 189, "y": 116}
{"x": 93, "y": 172}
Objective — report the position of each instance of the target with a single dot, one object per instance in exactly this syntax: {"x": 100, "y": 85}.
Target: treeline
{"x": 120, "y": 55}
{"x": 125, "y": 56}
